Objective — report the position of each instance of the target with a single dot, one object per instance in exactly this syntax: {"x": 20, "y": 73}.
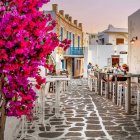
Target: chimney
{"x": 66, "y": 16}
{"x": 80, "y": 25}
{"x": 61, "y": 12}
{"x": 70, "y": 19}
{"x": 75, "y": 22}
{"x": 55, "y": 7}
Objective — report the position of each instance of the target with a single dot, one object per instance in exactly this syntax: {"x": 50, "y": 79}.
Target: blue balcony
{"x": 74, "y": 51}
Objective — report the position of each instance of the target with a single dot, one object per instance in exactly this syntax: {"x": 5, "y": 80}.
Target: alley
{"x": 87, "y": 116}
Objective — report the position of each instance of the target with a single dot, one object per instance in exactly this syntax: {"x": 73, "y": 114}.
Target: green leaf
{"x": 26, "y": 38}
{"x": 7, "y": 4}
{"x": 48, "y": 56}
{"x": 21, "y": 88}
{"x": 42, "y": 43}
{"x": 6, "y": 79}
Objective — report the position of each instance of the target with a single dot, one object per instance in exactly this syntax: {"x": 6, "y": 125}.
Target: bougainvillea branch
{"x": 26, "y": 38}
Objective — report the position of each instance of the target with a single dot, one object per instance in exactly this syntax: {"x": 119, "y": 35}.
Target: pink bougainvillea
{"x": 26, "y": 38}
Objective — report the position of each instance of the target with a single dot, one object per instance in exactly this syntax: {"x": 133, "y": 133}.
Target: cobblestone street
{"x": 87, "y": 116}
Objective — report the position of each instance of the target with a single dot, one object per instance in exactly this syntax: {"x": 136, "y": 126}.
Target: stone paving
{"x": 87, "y": 116}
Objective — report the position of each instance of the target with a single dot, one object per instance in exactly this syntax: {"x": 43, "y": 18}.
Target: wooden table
{"x": 128, "y": 93}
{"x": 108, "y": 80}
{"x": 99, "y": 76}
{"x": 57, "y": 80}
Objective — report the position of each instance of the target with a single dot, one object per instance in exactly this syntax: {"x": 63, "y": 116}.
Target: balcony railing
{"x": 75, "y": 51}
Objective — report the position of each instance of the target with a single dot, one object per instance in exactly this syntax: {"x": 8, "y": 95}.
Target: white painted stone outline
{"x": 101, "y": 121}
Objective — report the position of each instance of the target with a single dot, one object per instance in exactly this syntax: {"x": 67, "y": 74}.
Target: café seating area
{"x": 122, "y": 89}
{"x": 71, "y": 110}
{"x": 48, "y": 97}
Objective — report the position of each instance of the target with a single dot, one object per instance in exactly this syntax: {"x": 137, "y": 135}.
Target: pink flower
{"x": 26, "y": 39}
{"x": 21, "y": 110}
{"x": 19, "y": 51}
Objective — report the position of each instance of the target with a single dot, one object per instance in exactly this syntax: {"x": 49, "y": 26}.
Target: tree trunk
{"x": 2, "y": 114}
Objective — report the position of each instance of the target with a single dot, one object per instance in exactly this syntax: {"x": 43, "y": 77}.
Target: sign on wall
{"x": 123, "y": 52}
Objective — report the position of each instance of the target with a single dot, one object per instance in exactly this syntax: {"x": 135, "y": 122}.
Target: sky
{"x": 96, "y": 15}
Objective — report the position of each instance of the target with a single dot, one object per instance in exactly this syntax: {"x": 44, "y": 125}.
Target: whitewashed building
{"x": 134, "y": 47}
{"x": 113, "y": 36}
{"x": 107, "y": 48}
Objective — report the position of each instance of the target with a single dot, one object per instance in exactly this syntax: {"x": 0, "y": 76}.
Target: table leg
{"x": 57, "y": 99}
{"x": 98, "y": 87}
{"x": 107, "y": 92}
{"x": 138, "y": 105}
{"x": 91, "y": 84}
{"x": 116, "y": 89}
{"x": 128, "y": 96}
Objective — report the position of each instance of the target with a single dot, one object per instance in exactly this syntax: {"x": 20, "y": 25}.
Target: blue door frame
{"x": 73, "y": 65}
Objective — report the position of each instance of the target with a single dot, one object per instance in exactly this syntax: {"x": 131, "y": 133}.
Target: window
{"x": 78, "y": 41}
{"x": 70, "y": 37}
{"x": 78, "y": 64}
{"x": 61, "y": 33}
{"x": 119, "y": 41}
{"x": 67, "y": 35}
{"x": 102, "y": 41}
{"x": 73, "y": 40}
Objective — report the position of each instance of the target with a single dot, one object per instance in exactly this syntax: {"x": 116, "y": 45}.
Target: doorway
{"x": 73, "y": 64}
{"x": 115, "y": 60}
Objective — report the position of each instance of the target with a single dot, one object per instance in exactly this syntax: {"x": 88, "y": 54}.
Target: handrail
{"x": 75, "y": 51}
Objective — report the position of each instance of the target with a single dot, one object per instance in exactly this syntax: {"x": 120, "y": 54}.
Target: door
{"x": 73, "y": 67}
{"x": 63, "y": 66}
{"x": 115, "y": 60}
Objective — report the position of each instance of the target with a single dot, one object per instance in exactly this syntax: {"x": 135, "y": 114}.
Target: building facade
{"x": 107, "y": 48}
{"x": 113, "y": 36}
{"x": 66, "y": 28}
{"x": 134, "y": 42}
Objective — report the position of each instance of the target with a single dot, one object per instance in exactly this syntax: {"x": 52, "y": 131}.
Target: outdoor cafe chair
{"x": 93, "y": 82}
{"x": 122, "y": 89}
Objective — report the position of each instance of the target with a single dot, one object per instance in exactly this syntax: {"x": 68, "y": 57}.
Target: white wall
{"x": 114, "y": 36}
{"x": 99, "y": 54}
{"x": 10, "y": 127}
{"x": 54, "y": 54}
{"x": 111, "y": 38}
{"x": 86, "y": 61}
{"x": 85, "y": 39}
{"x": 134, "y": 50}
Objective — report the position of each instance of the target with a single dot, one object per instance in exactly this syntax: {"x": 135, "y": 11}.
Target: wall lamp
{"x": 133, "y": 40}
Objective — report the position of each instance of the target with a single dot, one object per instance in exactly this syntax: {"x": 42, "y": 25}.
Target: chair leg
{"x": 138, "y": 105}
{"x": 101, "y": 88}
